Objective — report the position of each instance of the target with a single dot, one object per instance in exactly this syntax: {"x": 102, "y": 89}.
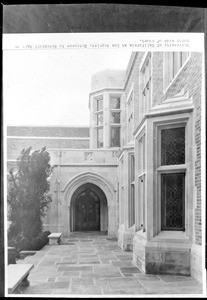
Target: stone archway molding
{"x": 88, "y": 177}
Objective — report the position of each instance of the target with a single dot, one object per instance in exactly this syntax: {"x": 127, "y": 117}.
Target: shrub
{"x": 13, "y": 255}
{"x": 28, "y": 194}
{"x": 36, "y": 243}
{"x": 24, "y": 244}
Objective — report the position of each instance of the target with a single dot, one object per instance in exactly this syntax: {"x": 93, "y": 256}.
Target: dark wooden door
{"x": 87, "y": 212}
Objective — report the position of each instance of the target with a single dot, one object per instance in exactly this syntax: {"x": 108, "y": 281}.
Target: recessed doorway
{"x": 89, "y": 210}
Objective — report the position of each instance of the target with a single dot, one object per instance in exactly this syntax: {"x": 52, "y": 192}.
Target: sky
{"x": 51, "y": 87}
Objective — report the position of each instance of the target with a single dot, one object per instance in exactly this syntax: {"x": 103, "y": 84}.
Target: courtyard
{"x": 93, "y": 264}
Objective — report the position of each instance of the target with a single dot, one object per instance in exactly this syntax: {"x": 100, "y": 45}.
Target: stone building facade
{"x": 160, "y": 162}
{"x": 138, "y": 177}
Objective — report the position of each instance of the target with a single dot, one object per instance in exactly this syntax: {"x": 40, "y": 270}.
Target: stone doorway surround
{"x": 107, "y": 189}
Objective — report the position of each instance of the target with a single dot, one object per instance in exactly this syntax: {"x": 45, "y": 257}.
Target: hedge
{"x": 35, "y": 243}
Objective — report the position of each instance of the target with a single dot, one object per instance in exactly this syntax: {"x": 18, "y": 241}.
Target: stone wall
{"x": 48, "y": 131}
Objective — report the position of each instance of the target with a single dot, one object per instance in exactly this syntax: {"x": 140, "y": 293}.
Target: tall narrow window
{"x": 131, "y": 190}
{"x": 99, "y": 120}
{"x": 145, "y": 86}
{"x": 173, "y": 61}
{"x": 130, "y": 118}
{"x": 121, "y": 211}
{"x": 141, "y": 181}
{"x": 99, "y": 137}
{"x": 115, "y": 136}
{"x": 172, "y": 155}
{"x": 115, "y": 120}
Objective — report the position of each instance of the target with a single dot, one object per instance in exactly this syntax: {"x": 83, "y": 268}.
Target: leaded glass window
{"x": 172, "y": 201}
{"x": 99, "y": 137}
{"x": 115, "y": 136}
{"x": 115, "y": 103}
{"x": 99, "y": 104}
{"x": 99, "y": 119}
{"x": 115, "y": 117}
{"x": 130, "y": 117}
{"x": 132, "y": 191}
{"x": 173, "y": 146}
{"x": 141, "y": 157}
{"x": 132, "y": 168}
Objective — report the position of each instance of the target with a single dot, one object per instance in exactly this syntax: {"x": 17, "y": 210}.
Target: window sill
{"x": 173, "y": 236}
{"x": 115, "y": 147}
{"x": 98, "y": 111}
{"x": 181, "y": 167}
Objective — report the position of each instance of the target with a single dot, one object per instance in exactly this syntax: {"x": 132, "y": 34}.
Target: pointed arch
{"x": 101, "y": 182}
{"x": 88, "y": 177}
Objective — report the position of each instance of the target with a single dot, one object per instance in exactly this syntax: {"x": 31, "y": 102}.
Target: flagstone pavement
{"x": 93, "y": 264}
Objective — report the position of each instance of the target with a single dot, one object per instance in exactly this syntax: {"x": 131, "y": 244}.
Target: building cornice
{"x": 106, "y": 89}
{"x": 46, "y": 137}
{"x": 84, "y": 165}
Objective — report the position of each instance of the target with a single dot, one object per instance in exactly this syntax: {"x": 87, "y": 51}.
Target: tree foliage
{"x": 28, "y": 194}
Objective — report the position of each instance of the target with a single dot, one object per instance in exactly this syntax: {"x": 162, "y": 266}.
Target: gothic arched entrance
{"x": 89, "y": 210}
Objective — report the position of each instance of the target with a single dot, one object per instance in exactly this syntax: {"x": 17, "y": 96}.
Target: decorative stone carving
{"x": 88, "y": 156}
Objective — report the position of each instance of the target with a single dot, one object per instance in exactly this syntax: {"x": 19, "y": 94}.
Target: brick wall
{"x": 49, "y": 131}
{"x": 64, "y": 135}
{"x": 157, "y": 77}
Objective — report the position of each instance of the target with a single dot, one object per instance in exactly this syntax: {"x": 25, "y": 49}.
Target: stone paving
{"x": 91, "y": 264}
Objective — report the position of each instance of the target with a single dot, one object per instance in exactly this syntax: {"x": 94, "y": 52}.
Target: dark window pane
{"x": 115, "y": 136}
{"x": 115, "y": 103}
{"x": 99, "y": 137}
{"x": 173, "y": 146}
{"x": 115, "y": 117}
{"x": 132, "y": 168}
{"x": 172, "y": 201}
{"x": 132, "y": 206}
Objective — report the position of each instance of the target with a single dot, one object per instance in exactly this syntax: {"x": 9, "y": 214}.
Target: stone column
{"x": 112, "y": 220}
